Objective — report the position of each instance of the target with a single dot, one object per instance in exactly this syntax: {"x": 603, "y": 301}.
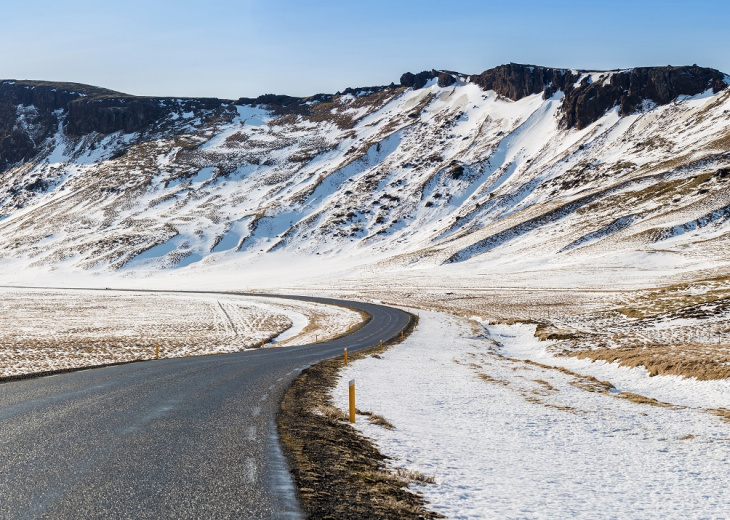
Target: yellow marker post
{"x": 345, "y": 356}
{"x": 381, "y": 344}
{"x": 157, "y": 351}
{"x": 352, "y": 400}
{"x": 262, "y": 343}
{"x": 402, "y": 335}
{"x": 316, "y": 338}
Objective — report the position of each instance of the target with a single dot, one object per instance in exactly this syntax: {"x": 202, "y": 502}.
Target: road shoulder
{"x": 338, "y": 472}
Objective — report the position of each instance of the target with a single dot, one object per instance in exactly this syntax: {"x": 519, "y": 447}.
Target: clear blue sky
{"x": 227, "y": 48}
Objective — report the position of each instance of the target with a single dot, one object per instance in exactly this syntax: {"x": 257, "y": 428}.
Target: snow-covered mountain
{"x": 517, "y": 164}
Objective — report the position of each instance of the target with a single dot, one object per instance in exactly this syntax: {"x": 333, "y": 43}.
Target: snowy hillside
{"x": 518, "y": 164}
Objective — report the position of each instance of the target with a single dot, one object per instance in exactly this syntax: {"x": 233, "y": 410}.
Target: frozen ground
{"x": 44, "y": 329}
{"x": 507, "y": 438}
{"x": 518, "y": 342}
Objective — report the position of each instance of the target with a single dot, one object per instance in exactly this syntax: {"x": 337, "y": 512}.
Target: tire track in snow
{"x": 230, "y": 321}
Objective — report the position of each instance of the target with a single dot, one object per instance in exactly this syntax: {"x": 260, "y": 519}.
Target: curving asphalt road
{"x": 177, "y": 438}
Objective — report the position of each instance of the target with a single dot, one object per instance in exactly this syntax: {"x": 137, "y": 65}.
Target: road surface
{"x": 175, "y": 438}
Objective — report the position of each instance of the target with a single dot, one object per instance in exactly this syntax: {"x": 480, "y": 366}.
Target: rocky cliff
{"x": 587, "y": 96}
{"x": 31, "y": 111}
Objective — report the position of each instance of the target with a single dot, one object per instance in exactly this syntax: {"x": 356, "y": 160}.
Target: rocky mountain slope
{"x": 518, "y": 164}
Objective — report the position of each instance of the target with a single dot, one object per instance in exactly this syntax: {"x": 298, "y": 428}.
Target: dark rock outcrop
{"x": 271, "y": 99}
{"x": 31, "y": 111}
{"x": 28, "y": 114}
{"x": 516, "y": 81}
{"x": 585, "y": 102}
{"x": 419, "y": 80}
{"x": 446, "y": 80}
{"x": 128, "y": 113}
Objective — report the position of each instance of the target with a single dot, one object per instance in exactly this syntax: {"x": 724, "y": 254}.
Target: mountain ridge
{"x": 453, "y": 171}
{"x": 96, "y": 109}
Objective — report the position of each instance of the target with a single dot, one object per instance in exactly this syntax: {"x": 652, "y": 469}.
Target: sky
{"x": 235, "y": 48}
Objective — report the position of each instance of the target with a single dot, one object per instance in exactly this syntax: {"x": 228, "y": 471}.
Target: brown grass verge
{"x": 704, "y": 362}
{"x": 339, "y": 474}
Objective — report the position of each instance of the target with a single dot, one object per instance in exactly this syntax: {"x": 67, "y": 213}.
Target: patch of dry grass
{"x": 704, "y": 362}
{"x": 416, "y": 476}
{"x": 675, "y": 298}
{"x": 642, "y": 399}
{"x": 545, "y": 384}
{"x": 563, "y": 408}
{"x": 490, "y": 379}
{"x": 547, "y": 331}
{"x": 379, "y": 420}
{"x": 591, "y": 384}
{"x": 722, "y": 413}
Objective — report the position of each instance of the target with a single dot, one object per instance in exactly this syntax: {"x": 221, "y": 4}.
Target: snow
{"x": 505, "y": 439}
{"x": 513, "y": 152}
{"x": 518, "y": 342}
{"x": 47, "y": 329}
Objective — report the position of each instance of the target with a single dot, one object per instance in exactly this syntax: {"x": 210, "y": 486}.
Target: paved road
{"x": 178, "y": 438}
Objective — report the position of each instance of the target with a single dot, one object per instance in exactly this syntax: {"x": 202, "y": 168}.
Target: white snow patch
{"x": 506, "y": 439}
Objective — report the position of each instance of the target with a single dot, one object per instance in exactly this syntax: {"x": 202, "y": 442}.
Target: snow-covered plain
{"x": 45, "y": 330}
{"x": 506, "y": 438}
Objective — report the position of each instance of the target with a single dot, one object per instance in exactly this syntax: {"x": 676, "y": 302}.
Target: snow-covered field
{"x": 43, "y": 329}
{"x": 509, "y": 438}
